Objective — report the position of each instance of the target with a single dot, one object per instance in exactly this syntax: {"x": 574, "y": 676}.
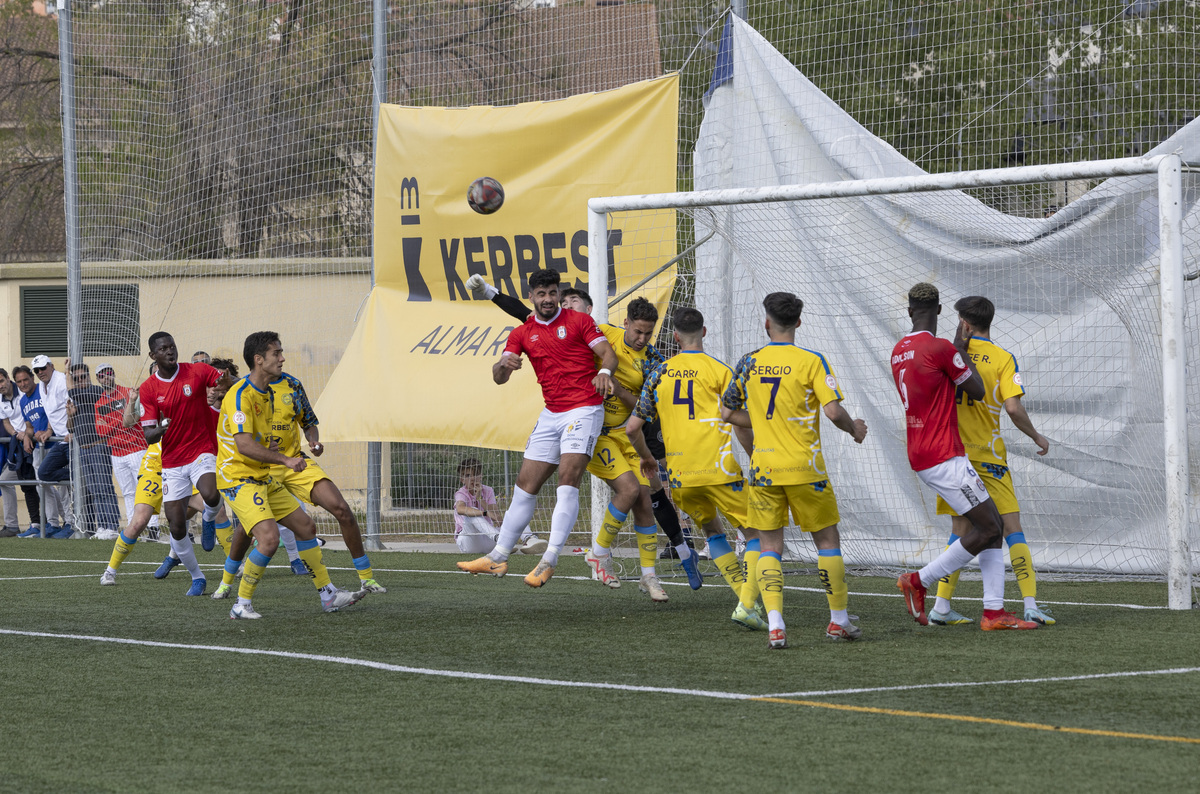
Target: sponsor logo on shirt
{"x": 831, "y": 382}
{"x": 1017, "y": 379}
{"x": 958, "y": 361}
{"x": 239, "y": 418}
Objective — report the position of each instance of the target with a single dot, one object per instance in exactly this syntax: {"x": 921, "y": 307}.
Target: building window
{"x": 111, "y": 320}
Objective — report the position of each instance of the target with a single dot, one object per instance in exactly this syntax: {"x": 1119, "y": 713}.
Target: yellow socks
{"x": 256, "y": 563}
{"x": 310, "y": 554}
{"x": 770, "y": 582}
{"x": 363, "y": 566}
{"x": 947, "y": 584}
{"x": 613, "y": 519}
{"x": 230, "y": 572}
{"x": 749, "y": 592}
{"x": 121, "y": 549}
{"x": 225, "y": 535}
{"x": 647, "y": 538}
{"x": 727, "y": 562}
{"x": 832, "y": 570}
{"x": 1022, "y": 564}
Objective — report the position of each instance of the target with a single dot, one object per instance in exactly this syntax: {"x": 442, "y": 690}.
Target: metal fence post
{"x": 379, "y": 11}
{"x": 66, "y": 70}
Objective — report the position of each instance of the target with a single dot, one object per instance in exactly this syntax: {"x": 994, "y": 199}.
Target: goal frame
{"x": 1169, "y": 170}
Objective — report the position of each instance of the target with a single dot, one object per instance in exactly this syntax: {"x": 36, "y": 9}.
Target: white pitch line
{"x": 516, "y": 679}
{"x": 67, "y": 576}
{"x": 795, "y": 588}
{"x": 392, "y": 668}
{"x": 955, "y": 684}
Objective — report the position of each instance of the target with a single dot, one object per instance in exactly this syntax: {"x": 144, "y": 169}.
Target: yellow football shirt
{"x": 979, "y": 420}
{"x": 152, "y": 460}
{"x": 245, "y": 409}
{"x": 684, "y": 393}
{"x": 783, "y": 387}
{"x": 633, "y": 367}
{"x": 293, "y": 414}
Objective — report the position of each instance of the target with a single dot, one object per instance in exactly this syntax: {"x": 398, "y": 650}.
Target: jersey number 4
{"x": 688, "y": 401}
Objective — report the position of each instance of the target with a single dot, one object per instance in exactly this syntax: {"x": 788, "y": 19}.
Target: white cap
{"x": 101, "y": 367}
{"x": 39, "y": 362}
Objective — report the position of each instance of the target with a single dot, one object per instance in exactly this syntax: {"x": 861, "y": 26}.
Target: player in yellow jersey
{"x": 684, "y": 393}
{"x": 244, "y": 460}
{"x": 293, "y": 417}
{"x": 616, "y": 461}
{"x": 780, "y": 391}
{"x": 147, "y": 503}
{"x": 979, "y": 428}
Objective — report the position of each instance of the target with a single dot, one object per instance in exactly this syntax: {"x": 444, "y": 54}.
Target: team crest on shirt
{"x": 561, "y": 332}
{"x": 287, "y": 399}
{"x": 187, "y": 390}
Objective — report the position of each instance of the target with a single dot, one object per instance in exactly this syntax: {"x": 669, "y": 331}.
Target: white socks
{"x": 183, "y": 550}
{"x": 684, "y": 551}
{"x": 210, "y": 512}
{"x": 566, "y": 510}
{"x": 288, "y": 539}
{"x": 991, "y": 565}
{"x": 949, "y": 561}
{"x": 515, "y": 520}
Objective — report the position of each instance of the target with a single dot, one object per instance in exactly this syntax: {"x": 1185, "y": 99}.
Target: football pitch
{"x": 458, "y": 683}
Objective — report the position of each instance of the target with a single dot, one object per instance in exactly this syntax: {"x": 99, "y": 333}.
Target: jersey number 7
{"x": 774, "y": 390}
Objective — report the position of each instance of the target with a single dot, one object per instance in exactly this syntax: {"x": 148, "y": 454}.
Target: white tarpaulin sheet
{"x": 1076, "y": 297}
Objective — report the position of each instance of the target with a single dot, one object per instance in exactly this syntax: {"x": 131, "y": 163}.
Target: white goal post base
{"x": 1170, "y": 280}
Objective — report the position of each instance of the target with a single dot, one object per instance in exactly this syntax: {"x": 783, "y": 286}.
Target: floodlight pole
{"x": 379, "y": 11}
{"x": 1174, "y": 347}
{"x": 66, "y": 69}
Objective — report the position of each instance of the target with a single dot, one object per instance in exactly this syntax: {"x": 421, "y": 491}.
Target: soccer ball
{"x": 485, "y": 195}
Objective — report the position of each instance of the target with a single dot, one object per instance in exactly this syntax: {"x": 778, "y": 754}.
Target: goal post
{"x": 743, "y": 287}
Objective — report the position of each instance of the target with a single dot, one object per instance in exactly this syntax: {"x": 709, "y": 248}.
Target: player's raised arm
{"x": 733, "y": 401}
{"x": 841, "y": 419}
{"x": 604, "y": 381}
{"x": 972, "y": 386}
{"x": 503, "y": 369}
{"x": 1020, "y": 419}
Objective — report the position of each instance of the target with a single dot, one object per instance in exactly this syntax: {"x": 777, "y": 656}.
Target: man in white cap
{"x": 127, "y": 445}
{"x": 56, "y": 465}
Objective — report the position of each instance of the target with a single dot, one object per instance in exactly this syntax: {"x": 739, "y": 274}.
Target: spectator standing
{"x": 200, "y": 357}
{"x": 36, "y": 438}
{"x": 101, "y": 515}
{"x": 15, "y": 464}
{"x": 52, "y": 391}
{"x": 127, "y": 445}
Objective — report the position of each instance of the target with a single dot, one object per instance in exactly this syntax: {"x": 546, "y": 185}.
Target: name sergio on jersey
{"x": 767, "y": 369}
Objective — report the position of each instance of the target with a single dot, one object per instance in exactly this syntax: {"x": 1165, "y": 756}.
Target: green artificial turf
{"x": 90, "y": 716}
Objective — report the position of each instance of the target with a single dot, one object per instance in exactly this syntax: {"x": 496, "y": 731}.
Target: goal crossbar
{"x": 1167, "y": 167}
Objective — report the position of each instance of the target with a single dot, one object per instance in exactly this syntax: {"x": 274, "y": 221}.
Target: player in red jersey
{"x": 176, "y": 411}
{"x": 562, "y": 345}
{"x": 928, "y": 370}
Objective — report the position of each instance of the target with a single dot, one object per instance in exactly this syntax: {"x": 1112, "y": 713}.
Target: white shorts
{"x": 572, "y": 432}
{"x": 957, "y": 482}
{"x": 177, "y": 483}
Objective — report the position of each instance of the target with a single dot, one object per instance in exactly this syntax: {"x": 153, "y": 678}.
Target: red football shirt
{"x": 927, "y": 371}
{"x": 561, "y": 354}
{"x": 184, "y": 400}
{"x": 109, "y": 411}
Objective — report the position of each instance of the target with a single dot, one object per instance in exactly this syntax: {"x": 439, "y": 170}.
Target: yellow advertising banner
{"x": 418, "y": 367}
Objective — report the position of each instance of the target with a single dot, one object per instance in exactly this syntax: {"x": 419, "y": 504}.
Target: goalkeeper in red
{"x": 560, "y": 344}
{"x": 979, "y": 428}
{"x": 927, "y": 371}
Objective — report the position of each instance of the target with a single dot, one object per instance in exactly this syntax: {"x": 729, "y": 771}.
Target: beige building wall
{"x": 213, "y": 306}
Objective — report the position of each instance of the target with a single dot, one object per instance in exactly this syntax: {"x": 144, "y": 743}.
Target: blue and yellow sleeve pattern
{"x": 306, "y": 417}
{"x": 734, "y": 397}
{"x": 647, "y": 408}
